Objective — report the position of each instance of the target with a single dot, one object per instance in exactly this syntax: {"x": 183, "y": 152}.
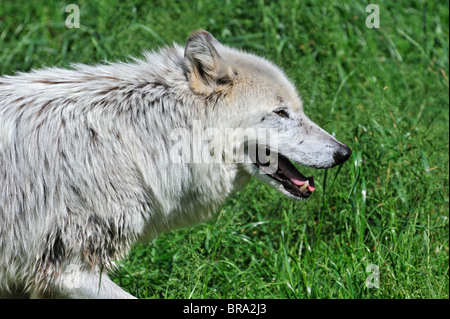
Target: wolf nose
{"x": 342, "y": 154}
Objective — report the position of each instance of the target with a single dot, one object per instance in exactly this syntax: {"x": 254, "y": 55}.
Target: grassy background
{"x": 383, "y": 91}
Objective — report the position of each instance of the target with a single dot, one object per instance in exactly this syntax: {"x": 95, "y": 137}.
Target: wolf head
{"x": 249, "y": 92}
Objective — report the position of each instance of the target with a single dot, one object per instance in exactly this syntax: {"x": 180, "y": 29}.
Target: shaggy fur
{"x": 85, "y": 165}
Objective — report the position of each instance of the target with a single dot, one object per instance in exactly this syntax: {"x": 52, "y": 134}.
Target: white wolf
{"x": 85, "y": 164}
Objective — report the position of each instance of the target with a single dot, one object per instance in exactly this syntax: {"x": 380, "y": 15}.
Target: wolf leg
{"x": 83, "y": 284}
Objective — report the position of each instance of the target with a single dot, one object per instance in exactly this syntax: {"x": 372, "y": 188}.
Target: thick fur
{"x": 85, "y": 167}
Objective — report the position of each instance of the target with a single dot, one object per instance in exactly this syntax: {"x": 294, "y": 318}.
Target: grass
{"x": 382, "y": 91}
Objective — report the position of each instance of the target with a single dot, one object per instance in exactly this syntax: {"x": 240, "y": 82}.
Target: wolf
{"x": 85, "y": 158}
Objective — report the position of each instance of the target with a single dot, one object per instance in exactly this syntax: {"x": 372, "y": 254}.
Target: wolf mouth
{"x": 289, "y": 177}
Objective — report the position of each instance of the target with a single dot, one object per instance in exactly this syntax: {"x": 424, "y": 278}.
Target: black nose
{"x": 342, "y": 154}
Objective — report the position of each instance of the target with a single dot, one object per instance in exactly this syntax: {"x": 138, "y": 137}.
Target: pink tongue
{"x": 298, "y": 182}
{"x": 301, "y": 183}
{"x": 293, "y": 177}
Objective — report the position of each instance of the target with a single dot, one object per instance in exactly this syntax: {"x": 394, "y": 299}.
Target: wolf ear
{"x": 205, "y": 68}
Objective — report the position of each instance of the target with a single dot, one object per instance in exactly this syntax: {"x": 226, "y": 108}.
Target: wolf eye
{"x": 282, "y": 113}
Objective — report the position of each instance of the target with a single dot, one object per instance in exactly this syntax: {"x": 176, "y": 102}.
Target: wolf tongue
{"x": 294, "y": 175}
{"x": 291, "y": 172}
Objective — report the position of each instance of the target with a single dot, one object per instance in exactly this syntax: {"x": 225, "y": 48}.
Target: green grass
{"x": 382, "y": 91}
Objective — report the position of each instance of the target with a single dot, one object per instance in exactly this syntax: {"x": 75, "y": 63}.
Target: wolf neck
{"x": 187, "y": 192}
